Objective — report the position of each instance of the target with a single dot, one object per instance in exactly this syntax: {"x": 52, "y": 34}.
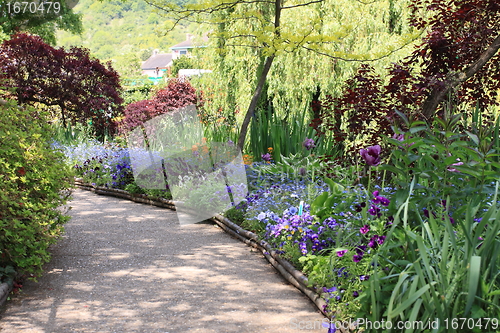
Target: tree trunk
{"x": 262, "y": 78}
{"x": 454, "y": 79}
{"x": 254, "y": 101}
{"x": 63, "y": 111}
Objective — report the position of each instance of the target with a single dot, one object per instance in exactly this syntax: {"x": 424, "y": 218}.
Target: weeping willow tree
{"x": 288, "y": 49}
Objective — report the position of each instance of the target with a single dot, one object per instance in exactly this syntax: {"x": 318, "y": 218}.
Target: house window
{"x": 183, "y": 52}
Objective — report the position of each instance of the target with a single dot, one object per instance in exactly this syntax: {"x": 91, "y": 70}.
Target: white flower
{"x": 261, "y": 216}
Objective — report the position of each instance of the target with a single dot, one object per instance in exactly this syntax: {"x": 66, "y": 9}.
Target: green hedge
{"x": 33, "y": 178}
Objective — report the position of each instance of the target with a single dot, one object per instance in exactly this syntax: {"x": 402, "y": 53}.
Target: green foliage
{"x": 33, "y": 182}
{"x": 7, "y": 274}
{"x": 432, "y": 270}
{"x": 236, "y": 214}
{"x": 59, "y": 18}
{"x": 444, "y": 162}
{"x": 71, "y": 134}
{"x": 183, "y": 62}
{"x": 136, "y": 93}
{"x": 114, "y": 29}
{"x": 284, "y": 135}
{"x": 441, "y": 257}
{"x": 296, "y": 75}
{"x": 134, "y": 188}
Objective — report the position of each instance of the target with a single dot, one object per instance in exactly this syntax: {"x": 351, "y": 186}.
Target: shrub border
{"x": 283, "y": 266}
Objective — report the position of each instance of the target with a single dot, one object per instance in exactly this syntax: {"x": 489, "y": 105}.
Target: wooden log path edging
{"x": 284, "y": 267}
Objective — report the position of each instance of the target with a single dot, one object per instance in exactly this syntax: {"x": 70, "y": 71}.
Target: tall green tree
{"x": 273, "y": 29}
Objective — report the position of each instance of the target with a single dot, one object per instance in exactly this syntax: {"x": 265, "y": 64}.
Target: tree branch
{"x": 302, "y": 4}
{"x": 358, "y": 60}
{"x": 454, "y": 79}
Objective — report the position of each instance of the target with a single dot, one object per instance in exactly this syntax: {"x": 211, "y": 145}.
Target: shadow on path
{"x": 127, "y": 267}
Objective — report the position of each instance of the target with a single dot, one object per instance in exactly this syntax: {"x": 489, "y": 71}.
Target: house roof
{"x": 188, "y": 43}
{"x": 159, "y": 60}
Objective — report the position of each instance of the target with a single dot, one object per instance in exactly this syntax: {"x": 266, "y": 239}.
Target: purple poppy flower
{"x": 308, "y": 144}
{"x": 371, "y": 155}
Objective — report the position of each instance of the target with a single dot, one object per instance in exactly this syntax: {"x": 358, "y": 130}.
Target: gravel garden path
{"x": 127, "y": 267}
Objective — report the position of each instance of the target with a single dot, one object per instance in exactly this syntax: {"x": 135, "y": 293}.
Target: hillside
{"x": 124, "y": 32}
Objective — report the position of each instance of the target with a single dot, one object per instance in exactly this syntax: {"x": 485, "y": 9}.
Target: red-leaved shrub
{"x": 177, "y": 94}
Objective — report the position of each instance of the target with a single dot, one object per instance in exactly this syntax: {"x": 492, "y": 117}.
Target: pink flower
{"x": 364, "y": 229}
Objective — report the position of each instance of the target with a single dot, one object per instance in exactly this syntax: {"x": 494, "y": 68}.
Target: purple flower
{"x": 357, "y": 258}
{"x": 381, "y": 240}
{"x": 454, "y": 164}
{"x": 302, "y": 171}
{"x": 373, "y": 241}
{"x": 384, "y": 201}
{"x": 399, "y": 137}
{"x": 308, "y": 144}
{"x": 266, "y": 157}
{"x": 364, "y": 229}
{"x": 371, "y": 155}
{"x": 341, "y": 253}
{"x": 374, "y": 210}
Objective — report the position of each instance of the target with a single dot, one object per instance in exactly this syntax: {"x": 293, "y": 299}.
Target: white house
{"x": 184, "y": 48}
{"x": 157, "y": 65}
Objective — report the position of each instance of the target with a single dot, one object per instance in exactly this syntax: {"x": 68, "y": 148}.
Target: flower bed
{"x": 378, "y": 241}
